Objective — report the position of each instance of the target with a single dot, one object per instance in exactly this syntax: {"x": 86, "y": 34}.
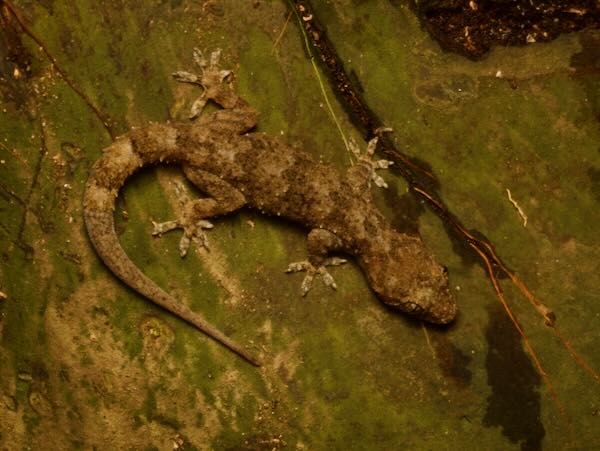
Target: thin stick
{"x": 17, "y": 15}
{"x": 318, "y": 75}
{"x": 517, "y": 207}
{"x": 429, "y": 345}
{"x": 282, "y": 32}
{"x": 526, "y": 343}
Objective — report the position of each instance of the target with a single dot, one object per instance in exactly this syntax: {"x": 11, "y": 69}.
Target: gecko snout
{"x": 407, "y": 278}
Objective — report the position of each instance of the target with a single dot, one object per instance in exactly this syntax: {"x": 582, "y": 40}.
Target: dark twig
{"x": 17, "y": 15}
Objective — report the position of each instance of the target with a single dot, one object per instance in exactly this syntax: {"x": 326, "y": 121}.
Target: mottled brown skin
{"x": 235, "y": 169}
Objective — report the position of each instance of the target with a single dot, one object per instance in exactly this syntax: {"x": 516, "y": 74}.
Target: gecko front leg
{"x": 224, "y": 199}
{"x": 320, "y": 243}
{"x": 364, "y": 171}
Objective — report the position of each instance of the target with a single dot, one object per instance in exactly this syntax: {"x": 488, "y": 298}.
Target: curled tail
{"x": 109, "y": 174}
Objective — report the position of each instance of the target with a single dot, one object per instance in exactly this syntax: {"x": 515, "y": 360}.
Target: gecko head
{"x": 405, "y": 276}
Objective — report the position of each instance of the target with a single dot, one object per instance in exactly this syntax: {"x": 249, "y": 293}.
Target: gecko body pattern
{"x": 236, "y": 168}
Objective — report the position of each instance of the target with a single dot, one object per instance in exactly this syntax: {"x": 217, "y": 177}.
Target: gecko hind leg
{"x": 224, "y": 199}
{"x": 237, "y": 116}
{"x": 211, "y": 78}
{"x": 320, "y": 243}
{"x": 192, "y": 229}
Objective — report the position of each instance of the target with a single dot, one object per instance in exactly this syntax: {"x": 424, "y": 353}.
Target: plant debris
{"x": 472, "y": 27}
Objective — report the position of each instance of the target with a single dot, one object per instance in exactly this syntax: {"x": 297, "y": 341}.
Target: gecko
{"x": 236, "y": 167}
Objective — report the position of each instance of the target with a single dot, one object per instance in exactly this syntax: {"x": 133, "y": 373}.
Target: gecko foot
{"x": 211, "y": 78}
{"x": 367, "y": 159}
{"x": 190, "y": 232}
{"x": 312, "y": 271}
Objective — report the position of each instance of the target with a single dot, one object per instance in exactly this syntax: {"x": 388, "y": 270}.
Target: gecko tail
{"x": 100, "y": 228}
